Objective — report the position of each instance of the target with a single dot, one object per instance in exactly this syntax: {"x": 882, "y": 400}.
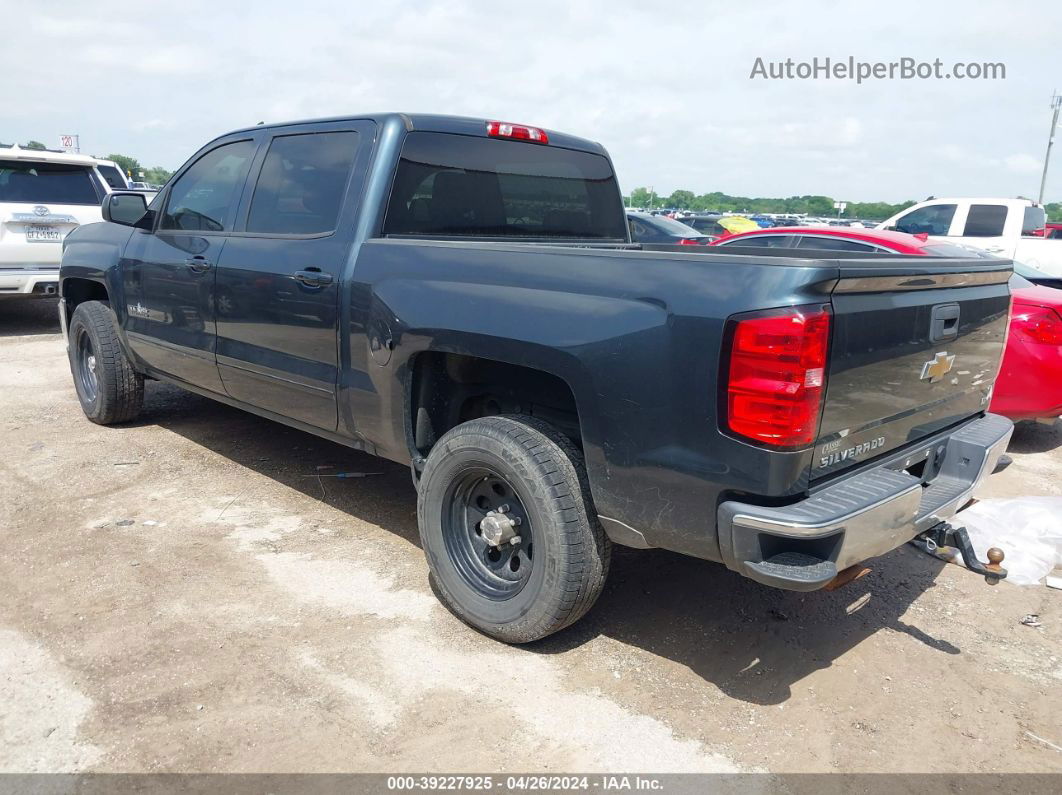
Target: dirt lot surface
{"x": 186, "y": 594}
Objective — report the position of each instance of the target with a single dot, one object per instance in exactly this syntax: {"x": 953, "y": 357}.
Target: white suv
{"x": 43, "y": 196}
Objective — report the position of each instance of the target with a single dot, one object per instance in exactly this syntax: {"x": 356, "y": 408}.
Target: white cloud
{"x": 667, "y": 90}
{"x": 1023, "y": 163}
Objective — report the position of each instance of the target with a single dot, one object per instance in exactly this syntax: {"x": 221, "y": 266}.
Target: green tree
{"x": 130, "y": 165}
{"x": 33, "y": 145}
{"x": 157, "y": 175}
{"x": 640, "y": 197}
{"x": 681, "y": 199}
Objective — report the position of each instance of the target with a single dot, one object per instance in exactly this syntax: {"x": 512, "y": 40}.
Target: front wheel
{"x": 509, "y": 529}
{"x": 109, "y": 389}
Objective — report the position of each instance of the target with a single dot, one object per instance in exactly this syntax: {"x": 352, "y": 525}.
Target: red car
{"x": 1030, "y": 379}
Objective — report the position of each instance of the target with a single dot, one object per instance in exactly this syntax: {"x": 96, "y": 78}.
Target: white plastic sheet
{"x": 1027, "y": 529}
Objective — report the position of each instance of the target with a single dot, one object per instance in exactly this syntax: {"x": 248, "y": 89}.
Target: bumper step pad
{"x": 795, "y": 567}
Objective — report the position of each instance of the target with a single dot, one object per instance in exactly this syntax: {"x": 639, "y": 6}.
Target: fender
{"x": 94, "y": 253}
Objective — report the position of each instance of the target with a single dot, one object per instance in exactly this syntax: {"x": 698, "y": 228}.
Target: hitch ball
{"x": 993, "y": 569}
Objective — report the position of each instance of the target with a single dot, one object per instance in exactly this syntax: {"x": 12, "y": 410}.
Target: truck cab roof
{"x": 433, "y": 122}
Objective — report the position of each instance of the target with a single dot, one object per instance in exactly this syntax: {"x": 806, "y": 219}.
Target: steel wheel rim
{"x": 493, "y": 572}
{"x": 87, "y": 363}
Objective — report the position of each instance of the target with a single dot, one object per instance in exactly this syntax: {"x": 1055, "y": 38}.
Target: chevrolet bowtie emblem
{"x": 938, "y": 367}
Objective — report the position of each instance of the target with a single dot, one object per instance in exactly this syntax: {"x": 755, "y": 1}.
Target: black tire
{"x": 562, "y": 559}
{"x": 109, "y": 389}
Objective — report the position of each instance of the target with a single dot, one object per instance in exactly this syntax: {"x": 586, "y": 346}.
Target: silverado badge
{"x": 937, "y": 367}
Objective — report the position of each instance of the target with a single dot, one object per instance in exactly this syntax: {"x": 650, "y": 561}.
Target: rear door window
{"x": 934, "y": 219}
{"x": 708, "y": 226}
{"x": 113, "y": 177}
{"x": 985, "y": 220}
{"x": 203, "y": 199}
{"x": 642, "y": 232}
{"x": 47, "y": 183}
{"x": 460, "y": 185}
{"x": 302, "y": 182}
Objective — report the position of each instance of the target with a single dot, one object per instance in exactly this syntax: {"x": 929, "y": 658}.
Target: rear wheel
{"x": 509, "y": 528}
{"x": 109, "y": 389}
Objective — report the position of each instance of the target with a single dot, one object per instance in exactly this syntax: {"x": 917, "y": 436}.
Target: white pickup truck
{"x": 1002, "y": 227}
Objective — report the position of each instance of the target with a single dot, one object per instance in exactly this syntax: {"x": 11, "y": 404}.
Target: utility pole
{"x": 1056, "y": 103}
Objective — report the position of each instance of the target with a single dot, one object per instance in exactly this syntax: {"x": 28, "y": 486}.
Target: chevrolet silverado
{"x": 462, "y": 296}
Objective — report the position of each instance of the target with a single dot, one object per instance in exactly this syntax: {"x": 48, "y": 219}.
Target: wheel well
{"x": 449, "y": 388}
{"x": 77, "y": 291}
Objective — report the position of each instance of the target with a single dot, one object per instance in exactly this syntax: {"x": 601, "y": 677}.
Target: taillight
{"x": 777, "y": 375}
{"x": 1038, "y": 324}
{"x": 504, "y": 129}
{"x": 689, "y": 241}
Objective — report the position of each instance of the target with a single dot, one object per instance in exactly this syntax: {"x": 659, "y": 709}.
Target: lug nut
{"x": 515, "y": 540}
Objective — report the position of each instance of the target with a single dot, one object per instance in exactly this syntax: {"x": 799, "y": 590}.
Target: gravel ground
{"x": 185, "y": 594}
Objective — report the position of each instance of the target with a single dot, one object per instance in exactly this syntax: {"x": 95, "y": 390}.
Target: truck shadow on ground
{"x": 1035, "y": 437}
{"x": 21, "y": 317}
{"x": 290, "y": 457}
{"x": 750, "y": 641}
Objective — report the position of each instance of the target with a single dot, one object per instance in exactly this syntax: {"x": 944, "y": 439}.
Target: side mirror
{"x": 127, "y": 209}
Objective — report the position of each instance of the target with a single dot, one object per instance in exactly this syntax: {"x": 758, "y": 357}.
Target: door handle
{"x": 312, "y": 277}
{"x": 198, "y": 265}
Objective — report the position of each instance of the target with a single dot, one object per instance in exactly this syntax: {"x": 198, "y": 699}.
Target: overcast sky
{"x": 664, "y": 85}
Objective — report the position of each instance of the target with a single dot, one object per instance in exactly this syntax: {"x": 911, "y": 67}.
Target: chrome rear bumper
{"x": 803, "y": 546}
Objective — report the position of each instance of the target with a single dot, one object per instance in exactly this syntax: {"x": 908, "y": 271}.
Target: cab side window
{"x": 203, "y": 198}
{"x": 932, "y": 220}
{"x": 302, "y": 183}
{"x": 985, "y": 220}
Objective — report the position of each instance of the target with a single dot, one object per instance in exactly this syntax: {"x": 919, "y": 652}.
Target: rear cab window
{"x": 1033, "y": 220}
{"x": 449, "y": 185}
{"x": 34, "y": 182}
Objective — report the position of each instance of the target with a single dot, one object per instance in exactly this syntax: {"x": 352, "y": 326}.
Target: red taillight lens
{"x": 504, "y": 129}
{"x": 777, "y": 375}
{"x": 689, "y": 241}
{"x": 1037, "y": 324}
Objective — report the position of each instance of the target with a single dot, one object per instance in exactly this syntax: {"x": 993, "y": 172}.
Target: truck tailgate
{"x": 915, "y": 348}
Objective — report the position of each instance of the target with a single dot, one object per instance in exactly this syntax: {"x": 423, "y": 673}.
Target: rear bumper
{"x": 803, "y": 546}
{"x": 27, "y": 281}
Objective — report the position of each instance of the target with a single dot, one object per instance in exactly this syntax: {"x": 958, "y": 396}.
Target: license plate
{"x": 43, "y": 233}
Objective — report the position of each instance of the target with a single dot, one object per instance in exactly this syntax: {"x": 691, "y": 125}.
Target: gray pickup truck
{"x": 462, "y": 296}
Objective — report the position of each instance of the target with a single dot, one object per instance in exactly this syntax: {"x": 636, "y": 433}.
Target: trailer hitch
{"x": 944, "y": 535}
